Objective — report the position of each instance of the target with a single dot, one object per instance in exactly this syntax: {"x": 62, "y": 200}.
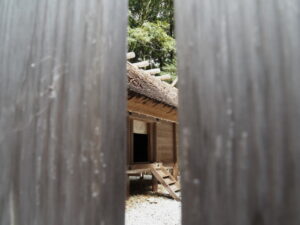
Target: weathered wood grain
{"x": 165, "y": 143}
{"x": 62, "y": 112}
{"x": 239, "y": 65}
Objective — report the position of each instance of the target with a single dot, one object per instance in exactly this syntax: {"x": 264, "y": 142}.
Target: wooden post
{"x": 62, "y": 139}
{"x": 128, "y": 187}
{"x": 154, "y": 184}
{"x": 155, "y": 142}
{"x": 154, "y": 181}
{"x": 131, "y": 142}
{"x": 175, "y": 171}
{"x": 239, "y": 111}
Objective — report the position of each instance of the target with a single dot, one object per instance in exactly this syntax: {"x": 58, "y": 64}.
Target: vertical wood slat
{"x": 62, "y": 111}
{"x": 131, "y": 141}
{"x": 150, "y": 142}
{"x": 174, "y": 142}
{"x": 155, "y": 142}
{"x": 239, "y": 64}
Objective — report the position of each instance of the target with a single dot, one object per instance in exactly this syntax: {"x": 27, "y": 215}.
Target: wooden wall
{"x": 165, "y": 143}
{"x": 163, "y": 139}
{"x": 62, "y": 111}
{"x": 239, "y": 65}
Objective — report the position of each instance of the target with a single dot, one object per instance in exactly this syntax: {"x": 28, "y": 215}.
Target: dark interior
{"x": 140, "y": 148}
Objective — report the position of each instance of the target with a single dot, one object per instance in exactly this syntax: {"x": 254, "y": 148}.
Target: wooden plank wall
{"x": 239, "y": 65}
{"x": 165, "y": 144}
{"x": 152, "y": 141}
{"x": 62, "y": 111}
{"x": 129, "y": 141}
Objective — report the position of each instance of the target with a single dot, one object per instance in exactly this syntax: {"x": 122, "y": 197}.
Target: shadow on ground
{"x": 143, "y": 186}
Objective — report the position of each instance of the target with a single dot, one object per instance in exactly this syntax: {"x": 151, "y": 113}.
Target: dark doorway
{"x": 140, "y": 148}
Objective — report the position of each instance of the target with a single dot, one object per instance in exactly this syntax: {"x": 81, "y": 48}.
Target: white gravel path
{"x": 151, "y": 209}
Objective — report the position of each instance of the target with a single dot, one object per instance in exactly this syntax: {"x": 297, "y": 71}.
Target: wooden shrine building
{"x": 152, "y": 127}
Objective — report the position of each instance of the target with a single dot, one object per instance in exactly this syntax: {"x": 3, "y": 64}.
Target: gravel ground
{"x": 147, "y": 208}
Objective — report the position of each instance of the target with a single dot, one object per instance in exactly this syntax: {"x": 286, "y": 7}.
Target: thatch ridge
{"x": 142, "y": 83}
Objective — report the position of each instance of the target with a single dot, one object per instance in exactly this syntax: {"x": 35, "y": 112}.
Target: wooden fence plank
{"x": 62, "y": 111}
{"x": 239, "y": 65}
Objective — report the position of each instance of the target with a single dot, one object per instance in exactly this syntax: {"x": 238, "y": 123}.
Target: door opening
{"x": 140, "y": 145}
{"x": 140, "y": 148}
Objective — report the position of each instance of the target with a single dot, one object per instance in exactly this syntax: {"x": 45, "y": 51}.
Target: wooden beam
{"x": 142, "y": 117}
{"x": 141, "y": 64}
{"x": 144, "y": 166}
{"x": 174, "y": 82}
{"x": 152, "y": 108}
{"x": 134, "y": 172}
{"x": 164, "y": 77}
{"x": 130, "y": 55}
{"x": 147, "y": 118}
{"x": 153, "y": 71}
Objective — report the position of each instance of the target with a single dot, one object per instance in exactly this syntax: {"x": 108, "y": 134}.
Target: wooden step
{"x": 162, "y": 173}
{"x": 167, "y": 181}
{"x": 175, "y": 188}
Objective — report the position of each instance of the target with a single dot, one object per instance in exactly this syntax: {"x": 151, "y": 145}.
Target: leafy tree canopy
{"x": 151, "y": 33}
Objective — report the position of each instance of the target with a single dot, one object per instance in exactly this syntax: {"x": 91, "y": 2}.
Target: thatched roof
{"x": 143, "y": 84}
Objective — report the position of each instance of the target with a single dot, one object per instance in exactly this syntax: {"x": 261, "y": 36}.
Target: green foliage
{"x": 152, "y": 41}
{"x": 150, "y": 10}
{"x": 171, "y": 69}
{"x": 150, "y": 33}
